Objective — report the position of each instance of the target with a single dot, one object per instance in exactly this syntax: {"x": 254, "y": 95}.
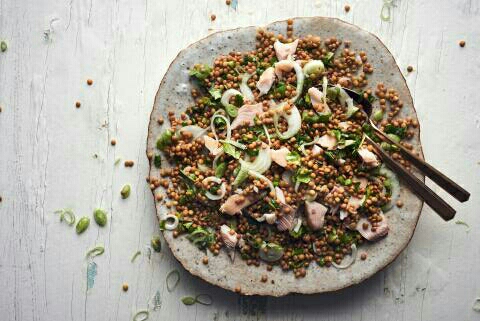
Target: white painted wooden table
{"x": 47, "y": 162}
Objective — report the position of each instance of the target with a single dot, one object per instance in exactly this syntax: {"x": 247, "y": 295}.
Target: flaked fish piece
{"x": 362, "y": 180}
{"x": 369, "y": 158}
{"x": 327, "y": 141}
{"x": 280, "y": 195}
{"x": 316, "y": 150}
{"x": 282, "y": 67}
{"x": 266, "y": 80}
{"x": 246, "y": 115}
{"x": 284, "y": 50}
{"x": 279, "y": 156}
{"x": 379, "y": 231}
{"x": 212, "y": 145}
{"x": 286, "y": 222}
{"x": 229, "y": 236}
{"x": 236, "y": 203}
{"x": 355, "y": 202}
{"x": 343, "y": 125}
{"x": 315, "y": 214}
{"x": 316, "y": 96}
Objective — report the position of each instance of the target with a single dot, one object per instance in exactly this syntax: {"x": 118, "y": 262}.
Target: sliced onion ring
{"x": 171, "y": 222}
{"x": 212, "y": 125}
{"x": 246, "y": 91}
{"x": 216, "y": 180}
{"x": 300, "y": 78}
{"x": 313, "y": 142}
{"x": 294, "y": 122}
{"x": 350, "y": 262}
{"x": 269, "y": 182}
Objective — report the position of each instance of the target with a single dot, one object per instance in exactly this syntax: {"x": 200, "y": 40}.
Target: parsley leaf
{"x": 399, "y": 131}
{"x": 216, "y": 93}
{"x": 293, "y": 158}
{"x": 230, "y": 150}
{"x": 200, "y": 71}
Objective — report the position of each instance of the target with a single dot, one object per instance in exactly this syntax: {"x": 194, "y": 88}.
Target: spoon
{"x": 432, "y": 199}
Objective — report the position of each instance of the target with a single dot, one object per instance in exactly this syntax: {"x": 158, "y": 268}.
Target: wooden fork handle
{"x": 423, "y": 191}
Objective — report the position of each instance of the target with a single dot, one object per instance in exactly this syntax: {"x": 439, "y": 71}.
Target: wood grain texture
{"x": 47, "y": 149}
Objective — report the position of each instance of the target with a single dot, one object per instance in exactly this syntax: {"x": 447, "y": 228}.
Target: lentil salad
{"x": 267, "y": 164}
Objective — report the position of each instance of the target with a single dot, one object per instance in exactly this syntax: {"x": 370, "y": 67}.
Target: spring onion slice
{"x": 313, "y": 142}
{"x": 313, "y": 67}
{"x": 270, "y": 252}
{"x": 215, "y": 160}
{"x": 97, "y": 250}
{"x": 263, "y": 178}
{"x": 267, "y": 134}
{"x": 141, "y": 315}
{"x": 294, "y": 121}
{"x": 223, "y": 189}
{"x": 204, "y": 299}
{"x": 298, "y": 225}
{"x": 395, "y": 186}
{"x": 300, "y": 78}
{"x": 325, "y": 88}
{"x": 246, "y": 91}
{"x": 171, "y": 222}
{"x": 261, "y": 164}
{"x": 195, "y": 130}
{"x": 350, "y": 262}
{"x": 202, "y": 167}
{"x": 173, "y": 277}
{"x": 66, "y": 215}
{"x": 134, "y": 257}
{"x": 227, "y": 122}
{"x": 226, "y": 100}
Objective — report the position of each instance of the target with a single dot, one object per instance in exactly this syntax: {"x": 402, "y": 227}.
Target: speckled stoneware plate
{"x": 174, "y": 95}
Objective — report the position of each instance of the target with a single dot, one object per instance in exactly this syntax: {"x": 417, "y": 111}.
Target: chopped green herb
{"x": 215, "y": 93}
{"x": 96, "y": 251}
{"x": 378, "y": 115}
{"x": 157, "y": 161}
{"x": 343, "y": 181}
{"x": 399, "y": 131}
{"x": 302, "y": 175}
{"x": 281, "y": 88}
{"x": 173, "y": 277}
{"x": 315, "y": 118}
{"x": 238, "y": 100}
{"x": 200, "y": 71}
{"x": 220, "y": 170}
{"x": 188, "y": 300}
{"x": 332, "y": 93}
{"x": 66, "y": 215}
{"x": 165, "y": 139}
{"x": 231, "y": 110}
{"x": 135, "y": 256}
{"x": 298, "y": 233}
{"x": 125, "y": 192}
{"x": 293, "y": 158}
{"x": 230, "y": 150}
{"x": 156, "y": 243}
{"x": 328, "y": 59}
{"x": 82, "y": 225}
{"x": 117, "y": 161}
{"x": 3, "y": 46}
{"x": 100, "y": 217}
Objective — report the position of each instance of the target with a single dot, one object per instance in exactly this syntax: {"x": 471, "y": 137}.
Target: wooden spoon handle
{"x": 423, "y": 191}
{"x": 434, "y": 174}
